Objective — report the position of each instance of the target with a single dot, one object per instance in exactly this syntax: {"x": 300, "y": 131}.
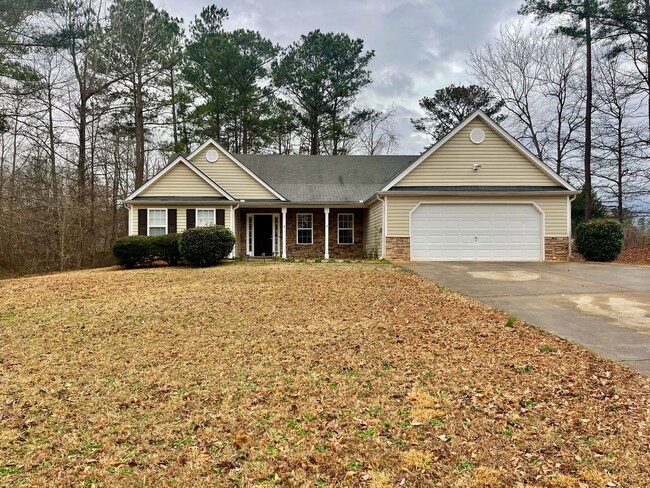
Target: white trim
{"x": 250, "y": 232}
{"x": 250, "y": 235}
{"x": 284, "y": 232}
{"x": 214, "y": 216}
{"x": 338, "y": 229}
{"x": 232, "y": 229}
{"x": 130, "y": 224}
{"x": 234, "y": 160}
{"x": 311, "y": 243}
{"x": 166, "y": 169}
{"x": 496, "y": 127}
{"x": 327, "y": 232}
{"x": 149, "y": 220}
{"x": 542, "y": 246}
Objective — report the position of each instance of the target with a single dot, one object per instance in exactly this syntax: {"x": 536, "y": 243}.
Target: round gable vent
{"x": 477, "y": 136}
{"x": 212, "y": 155}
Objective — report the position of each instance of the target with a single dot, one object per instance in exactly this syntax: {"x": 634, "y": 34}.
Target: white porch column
{"x": 284, "y": 232}
{"x": 232, "y": 229}
{"x": 327, "y": 232}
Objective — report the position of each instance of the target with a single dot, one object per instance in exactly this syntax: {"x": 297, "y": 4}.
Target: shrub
{"x": 206, "y": 246}
{"x": 132, "y": 250}
{"x": 599, "y": 239}
{"x": 166, "y": 248}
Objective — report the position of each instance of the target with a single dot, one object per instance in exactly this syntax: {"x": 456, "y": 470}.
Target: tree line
{"x": 95, "y": 96}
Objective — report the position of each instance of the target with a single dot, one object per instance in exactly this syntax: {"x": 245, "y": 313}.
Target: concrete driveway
{"x": 604, "y": 307}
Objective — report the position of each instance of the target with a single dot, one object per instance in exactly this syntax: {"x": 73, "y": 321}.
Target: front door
{"x": 263, "y": 240}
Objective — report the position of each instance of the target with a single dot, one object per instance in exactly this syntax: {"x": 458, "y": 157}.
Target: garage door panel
{"x": 470, "y": 232}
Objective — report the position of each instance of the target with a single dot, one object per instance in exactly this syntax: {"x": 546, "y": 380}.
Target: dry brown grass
{"x": 300, "y": 375}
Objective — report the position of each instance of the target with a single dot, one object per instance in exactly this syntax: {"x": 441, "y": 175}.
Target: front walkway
{"x": 604, "y": 307}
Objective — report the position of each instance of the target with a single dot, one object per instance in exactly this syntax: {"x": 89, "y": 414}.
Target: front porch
{"x": 306, "y": 232}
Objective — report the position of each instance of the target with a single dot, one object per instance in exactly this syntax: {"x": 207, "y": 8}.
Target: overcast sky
{"x": 420, "y": 45}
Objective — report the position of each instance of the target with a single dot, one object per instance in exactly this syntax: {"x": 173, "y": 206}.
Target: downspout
{"x": 383, "y": 226}
{"x": 571, "y": 199}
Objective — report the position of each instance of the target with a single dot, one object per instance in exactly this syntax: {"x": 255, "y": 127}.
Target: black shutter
{"x": 171, "y": 221}
{"x": 191, "y": 218}
{"x": 220, "y": 216}
{"x": 142, "y": 221}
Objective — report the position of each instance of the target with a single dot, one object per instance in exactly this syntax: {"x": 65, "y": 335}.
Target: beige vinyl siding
{"x": 180, "y": 181}
{"x": 554, "y": 208}
{"x": 181, "y": 215}
{"x": 373, "y": 228}
{"x": 501, "y": 163}
{"x": 229, "y": 176}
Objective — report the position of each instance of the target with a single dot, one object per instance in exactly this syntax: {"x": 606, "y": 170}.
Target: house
{"x": 477, "y": 194}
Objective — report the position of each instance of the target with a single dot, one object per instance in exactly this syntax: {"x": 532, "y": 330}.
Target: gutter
{"x": 478, "y": 193}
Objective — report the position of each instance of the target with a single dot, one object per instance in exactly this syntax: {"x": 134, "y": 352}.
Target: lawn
{"x": 300, "y": 375}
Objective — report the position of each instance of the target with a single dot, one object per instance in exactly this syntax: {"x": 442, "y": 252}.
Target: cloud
{"x": 420, "y": 45}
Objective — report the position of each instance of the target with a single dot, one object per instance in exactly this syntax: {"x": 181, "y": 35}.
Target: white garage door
{"x": 476, "y": 232}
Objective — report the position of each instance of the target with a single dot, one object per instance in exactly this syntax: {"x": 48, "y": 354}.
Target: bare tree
{"x": 618, "y": 157}
{"x": 374, "y": 133}
{"x": 537, "y": 75}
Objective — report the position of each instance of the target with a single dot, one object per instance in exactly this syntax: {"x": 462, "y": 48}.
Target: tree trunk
{"x": 244, "y": 139}
{"x": 619, "y": 160}
{"x": 647, "y": 52}
{"x": 81, "y": 168}
{"x": 174, "y": 119}
{"x": 314, "y": 142}
{"x": 587, "y": 186}
{"x": 139, "y": 130}
{"x": 50, "y": 117}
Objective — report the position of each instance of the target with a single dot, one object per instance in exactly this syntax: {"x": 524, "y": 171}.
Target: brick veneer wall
{"x": 398, "y": 248}
{"x": 344, "y": 251}
{"x": 317, "y": 248}
{"x": 556, "y": 249}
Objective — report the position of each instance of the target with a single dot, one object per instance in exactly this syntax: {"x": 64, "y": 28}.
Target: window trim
{"x": 214, "y": 216}
{"x": 149, "y": 221}
{"x": 311, "y": 229}
{"x": 338, "y": 229}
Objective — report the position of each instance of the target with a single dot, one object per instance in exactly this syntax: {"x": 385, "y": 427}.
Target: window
{"x": 157, "y": 221}
{"x": 305, "y": 228}
{"x": 205, "y": 217}
{"x": 346, "y": 228}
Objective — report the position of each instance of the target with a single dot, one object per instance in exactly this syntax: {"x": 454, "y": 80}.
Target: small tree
{"x": 451, "y": 105}
{"x": 598, "y": 209}
{"x": 600, "y": 239}
{"x": 206, "y": 246}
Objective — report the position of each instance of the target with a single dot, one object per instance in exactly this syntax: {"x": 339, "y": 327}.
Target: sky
{"x": 420, "y": 45}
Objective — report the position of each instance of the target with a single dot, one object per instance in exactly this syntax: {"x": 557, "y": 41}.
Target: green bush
{"x": 599, "y": 239}
{"x": 206, "y": 246}
{"x": 132, "y": 250}
{"x": 166, "y": 248}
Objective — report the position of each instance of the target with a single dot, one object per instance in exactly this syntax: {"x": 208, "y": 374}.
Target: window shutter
{"x": 171, "y": 221}
{"x": 142, "y": 221}
{"x": 220, "y": 216}
{"x": 191, "y": 218}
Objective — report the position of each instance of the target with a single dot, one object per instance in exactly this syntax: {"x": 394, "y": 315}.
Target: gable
{"x": 230, "y": 176}
{"x": 180, "y": 181}
{"x": 501, "y": 163}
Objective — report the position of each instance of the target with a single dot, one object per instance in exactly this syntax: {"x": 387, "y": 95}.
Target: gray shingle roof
{"x": 304, "y": 178}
